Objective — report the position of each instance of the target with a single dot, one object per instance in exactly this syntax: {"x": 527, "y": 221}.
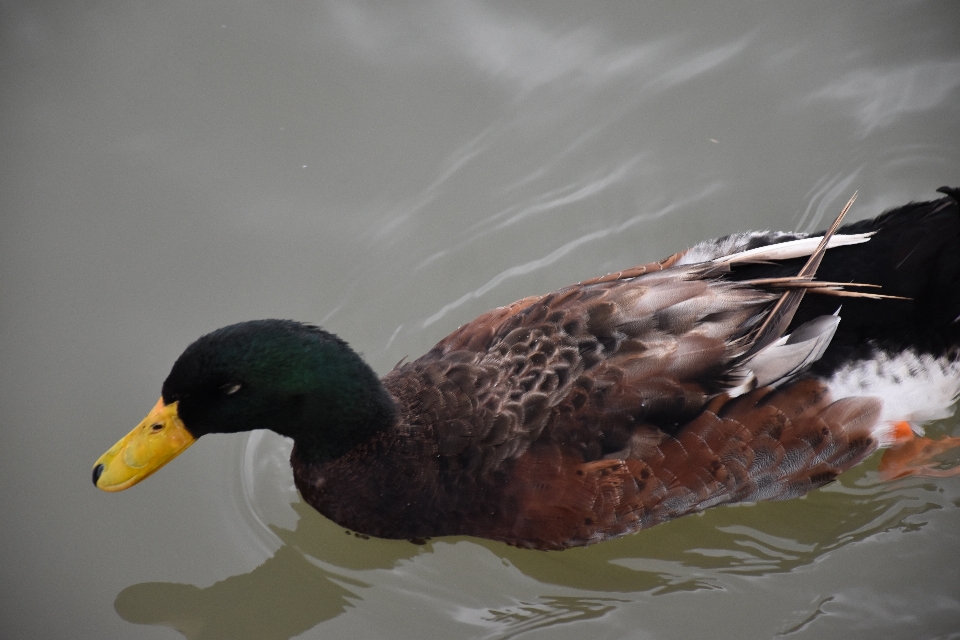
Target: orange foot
{"x": 912, "y": 455}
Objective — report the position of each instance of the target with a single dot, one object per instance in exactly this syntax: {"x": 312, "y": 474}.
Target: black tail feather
{"x": 953, "y": 192}
{"x": 914, "y": 253}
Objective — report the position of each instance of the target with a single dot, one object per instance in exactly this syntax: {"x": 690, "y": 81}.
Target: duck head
{"x": 295, "y": 379}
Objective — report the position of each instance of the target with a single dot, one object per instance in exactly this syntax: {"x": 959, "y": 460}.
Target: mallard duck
{"x": 724, "y": 373}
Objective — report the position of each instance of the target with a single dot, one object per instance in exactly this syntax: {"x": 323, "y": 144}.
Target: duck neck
{"x": 334, "y": 424}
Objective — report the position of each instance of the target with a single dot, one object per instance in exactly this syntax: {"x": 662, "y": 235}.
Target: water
{"x": 391, "y": 173}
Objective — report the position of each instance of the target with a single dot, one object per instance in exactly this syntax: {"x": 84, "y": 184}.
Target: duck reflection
{"x": 280, "y": 599}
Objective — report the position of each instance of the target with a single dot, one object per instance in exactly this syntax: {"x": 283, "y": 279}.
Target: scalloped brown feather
{"x": 601, "y": 409}
{"x": 577, "y": 416}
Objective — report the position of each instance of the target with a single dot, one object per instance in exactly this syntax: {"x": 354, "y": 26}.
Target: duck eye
{"x": 230, "y": 388}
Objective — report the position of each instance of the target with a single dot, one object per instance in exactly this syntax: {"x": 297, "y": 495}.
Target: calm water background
{"x": 171, "y": 167}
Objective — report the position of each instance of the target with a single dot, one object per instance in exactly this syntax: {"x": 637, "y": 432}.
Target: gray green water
{"x": 391, "y": 171}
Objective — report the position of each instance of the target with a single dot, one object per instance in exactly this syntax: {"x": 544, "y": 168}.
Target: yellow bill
{"x": 157, "y": 440}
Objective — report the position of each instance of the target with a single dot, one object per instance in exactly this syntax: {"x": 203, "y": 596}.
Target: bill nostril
{"x": 97, "y": 472}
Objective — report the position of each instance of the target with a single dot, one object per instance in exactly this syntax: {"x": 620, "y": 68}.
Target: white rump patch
{"x": 914, "y": 388}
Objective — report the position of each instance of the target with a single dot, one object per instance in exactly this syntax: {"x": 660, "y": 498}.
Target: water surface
{"x": 391, "y": 172}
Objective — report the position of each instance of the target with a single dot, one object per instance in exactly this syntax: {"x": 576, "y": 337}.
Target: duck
{"x": 756, "y": 366}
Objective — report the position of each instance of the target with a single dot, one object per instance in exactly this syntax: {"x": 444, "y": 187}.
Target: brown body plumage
{"x": 718, "y": 375}
{"x": 589, "y": 413}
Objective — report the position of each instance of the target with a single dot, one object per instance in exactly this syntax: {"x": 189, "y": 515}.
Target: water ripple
{"x": 881, "y": 98}
{"x": 563, "y": 250}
